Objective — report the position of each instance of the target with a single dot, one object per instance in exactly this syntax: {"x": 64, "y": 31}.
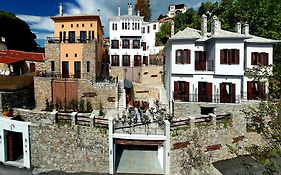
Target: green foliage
{"x": 7, "y": 108}
{"x": 89, "y": 107}
{"x": 73, "y": 104}
{"x": 48, "y": 105}
{"x": 81, "y": 107}
{"x": 17, "y": 33}
{"x": 143, "y": 6}
{"x": 58, "y": 104}
{"x": 164, "y": 34}
{"x": 187, "y": 19}
{"x": 101, "y": 112}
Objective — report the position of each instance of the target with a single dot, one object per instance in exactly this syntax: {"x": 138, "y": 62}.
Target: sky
{"x": 37, "y": 12}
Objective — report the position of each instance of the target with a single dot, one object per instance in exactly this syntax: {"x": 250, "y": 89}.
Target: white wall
{"x": 16, "y": 126}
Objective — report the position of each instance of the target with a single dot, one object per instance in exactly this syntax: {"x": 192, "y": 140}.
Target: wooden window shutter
{"x": 266, "y": 59}
{"x": 177, "y": 56}
{"x": 262, "y": 90}
{"x": 249, "y": 90}
{"x": 260, "y": 58}
{"x": 253, "y": 58}
{"x": 237, "y": 56}
{"x": 229, "y": 54}
{"x": 188, "y": 56}
{"x": 222, "y": 56}
{"x": 222, "y": 94}
{"x": 176, "y": 90}
{"x": 203, "y": 60}
{"x": 182, "y": 56}
{"x": 233, "y": 95}
{"x": 209, "y": 90}
{"x": 186, "y": 91}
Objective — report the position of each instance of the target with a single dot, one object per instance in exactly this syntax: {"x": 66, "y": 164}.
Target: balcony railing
{"x": 11, "y": 83}
{"x": 214, "y": 99}
{"x": 69, "y": 40}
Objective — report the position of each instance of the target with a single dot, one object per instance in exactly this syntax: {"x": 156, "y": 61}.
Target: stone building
{"x": 76, "y": 50}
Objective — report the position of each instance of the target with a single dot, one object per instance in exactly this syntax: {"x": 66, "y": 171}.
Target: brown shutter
{"x": 229, "y": 59}
{"x": 197, "y": 60}
{"x": 253, "y": 58}
{"x": 249, "y": 90}
{"x": 203, "y": 61}
{"x": 177, "y": 56}
{"x": 260, "y": 58}
{"x": 188, "y": 56}
{"x": 233, "y": 95}
{"x": 182, "y": 56}
{"x": 210, "y": 86}
{"x": 222, "y": 95}
{"x": 176, "y": 89}
{"x": 262, "y": 90}
{"x": 237, "y": 56}
{"x": 186, "y": 91}
{"x": 221, "y": 56}
{"x": 266, "y": 59}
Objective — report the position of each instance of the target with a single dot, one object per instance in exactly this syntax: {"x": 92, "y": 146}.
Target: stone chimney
{"x": 130, "y": 9}
{"x": 204, "y": 25}
{"x": 246, "y": 29}
{"x": 61, "y": 9}
{"x": 3, "y": 39}
{"x": 172, "y": 28}
{"x": 238, "y": 27}
{"x": 119, "y": 11}
{"x": 215, "y": 26}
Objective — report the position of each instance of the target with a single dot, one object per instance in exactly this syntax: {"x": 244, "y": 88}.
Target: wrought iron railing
{"x": 69, "y": 40}
{"x": 204, "y": 98}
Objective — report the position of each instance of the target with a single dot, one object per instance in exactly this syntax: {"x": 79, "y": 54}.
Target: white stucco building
{"x": 131, "y": 39}
{"x": 209, "y": 67}
{"x": 176, "y": 8}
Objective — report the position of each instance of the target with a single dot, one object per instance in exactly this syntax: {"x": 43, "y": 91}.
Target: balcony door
{"x": 204, "y": 92}
{"x": 181, "y": 90}
{"x": 65, "y": 69}
{"x": 71, "y": 36}
{"x": 77, "y": 69}
{"x": 227, "y": 93}
{"x": 83, "y": 36}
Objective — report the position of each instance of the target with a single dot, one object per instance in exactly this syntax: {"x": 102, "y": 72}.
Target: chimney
{"x": 172, "y": 28}
{"x": 3, "y": 39}
{"x": 98, "y": 11}
{"x": 130, "y": 9}
{"x": 61, "y": 9}
{"x": 119, "y": 11}
{"x": 246, "y": 29}
{"x": 238, "y": 27}
{"x": 204, "y": 25}
{"x": 138, "y": 13}
{"x": 215, "y": 26}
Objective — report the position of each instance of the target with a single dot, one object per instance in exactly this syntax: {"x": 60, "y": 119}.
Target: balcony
{"x": 216, "y": 98}
{"x": 12, "y": 83}
{"x": 69, "y": 40}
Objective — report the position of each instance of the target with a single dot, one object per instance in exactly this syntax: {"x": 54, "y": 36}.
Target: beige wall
{"x": 71, "y": 49}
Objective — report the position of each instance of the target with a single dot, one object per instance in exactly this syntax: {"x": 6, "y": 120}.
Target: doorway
{"x": 14, "y": 146}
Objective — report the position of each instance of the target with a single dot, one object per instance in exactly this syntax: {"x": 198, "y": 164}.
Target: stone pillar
{"x": 204, "y": 25}
{"x": 53, "y": 116}
{"x": 192, "y": 123}
{"x": 92, "y": 120}
{"x": 167, "y": 148}
{"x": 111, "y": 146}
{"x": 73, "y": 118}
{"x": 213, "y": 119}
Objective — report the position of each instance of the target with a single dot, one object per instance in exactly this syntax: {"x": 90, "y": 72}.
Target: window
{"x": 71, "y": 35}
{"x": 126, "y": 44}
{"x": 88, "y": 66}
{"x": 77, "y": 25}
{"x": 255, "y": 90}
{"x": 60, "y": 36}
{"x": 77, "y": 69}
{"x": 200, "y": 60}
{"x": 137, "y": 60}
{"x": 123, "y": 26}
{"x": 183, "y": 56}
{"x": 259, "y": 58}
{"x": 83, "y": 36}
{"x": 143, "y": 30}
{"x": 93, "y": 35}
{"x": 136, "y": 44}
{"x": 145, "y": 60}
{"x": 128, "y": 26}
{"x": 126, "y": 60}
{"x": 62, "y": 26}
{"x": 143, "y": 44}
{"x": 89, "y": 35}
{"x": 91, "y": 25}
{"x": 75, "y": 55}
{"x": 52, "y": 66}
{"x": 82, "y": 25}
{"x": 229, "y": 56}
{"x": 32, "y": 67}
{"x": 181, "y": 90}
{"x": 114, "y": 60}
{"x": 114, "y": 44}
{"x": 66, "y": 55}
{"x": 154, "y": 26}
{"x": 138, "y": 26}
{"x": 71, "y": 25}
{"x": 65, "y": 69}
{"x": 148, "y": 29}
{"x": 227, "y": 93}
{"x": 114, "y": 26}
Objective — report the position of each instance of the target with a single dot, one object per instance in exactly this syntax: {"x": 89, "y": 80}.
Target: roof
{"x": 227, "y": 34}
{"x": 187, "y": 33}
{"x": 257, "y": 39}
{"x": 9, "y": 60}
{"x": 21, "y": 55}
{"x": 126, "y": 17}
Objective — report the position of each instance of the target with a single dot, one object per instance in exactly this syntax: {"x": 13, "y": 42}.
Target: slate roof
{"x": 187, "y": 33}
{"x": 257, "y": 39}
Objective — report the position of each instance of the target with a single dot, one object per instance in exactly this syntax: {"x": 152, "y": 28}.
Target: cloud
{"x": 38, "y": 22}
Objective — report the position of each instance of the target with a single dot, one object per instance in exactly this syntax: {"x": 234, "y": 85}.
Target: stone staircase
{"x": 121, "y": 95}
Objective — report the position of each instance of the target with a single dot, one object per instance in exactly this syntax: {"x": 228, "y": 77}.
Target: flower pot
{"x": 7, "y": 113}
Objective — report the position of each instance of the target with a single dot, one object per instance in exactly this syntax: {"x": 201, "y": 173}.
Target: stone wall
{"x": 66, "y": 148}
{"x": 42, "y": 91}
{"x": 52, "y": 53}
{"x": 152, "y": 74}
{"x": 23, "y": 98}
{"x": 142, "y": 92}
{"x": 89, "y": 54}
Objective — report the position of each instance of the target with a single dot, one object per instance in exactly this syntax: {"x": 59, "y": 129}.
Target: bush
{"x": 81, "y": 106}
{"x": 89, "y": 107}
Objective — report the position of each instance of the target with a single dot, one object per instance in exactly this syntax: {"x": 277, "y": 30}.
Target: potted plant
{"x": 7, "y": 110}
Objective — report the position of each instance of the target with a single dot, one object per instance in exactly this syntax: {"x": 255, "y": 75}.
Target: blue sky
{"x": 37, "y": 12}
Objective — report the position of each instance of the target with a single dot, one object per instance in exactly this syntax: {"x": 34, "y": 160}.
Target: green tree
{"x": 187, "y": 19}
{"x": 143, "y": 6}
{"x": 163, "y": 35}
{"x": 17, "y": 33}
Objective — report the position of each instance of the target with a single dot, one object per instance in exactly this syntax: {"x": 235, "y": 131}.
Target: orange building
{"x": 76, "y": 50}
